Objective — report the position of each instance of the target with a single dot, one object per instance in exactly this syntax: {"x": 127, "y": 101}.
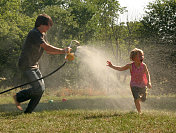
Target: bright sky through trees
{"x": 135, "y": 9}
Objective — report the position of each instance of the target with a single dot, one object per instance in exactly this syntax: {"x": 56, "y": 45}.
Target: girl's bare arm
{"x": 119, "y": 68}
{"x": 148, "y": 76}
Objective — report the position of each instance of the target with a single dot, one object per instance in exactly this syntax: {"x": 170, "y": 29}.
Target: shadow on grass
{"x": 102, "y": 116}
{"x": 11, "y": 114}
{"x": 161, "y": 103}
{"x": 73, "y": 104}
{"x": 121, "y": 104}
{"x": 91, "y": 104}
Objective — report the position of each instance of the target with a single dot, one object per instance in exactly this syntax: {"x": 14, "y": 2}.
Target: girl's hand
{"x": 109, "y": 64}
{"x": 149, "y": 85}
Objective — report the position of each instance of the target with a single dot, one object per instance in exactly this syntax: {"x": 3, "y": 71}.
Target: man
{"x": 33, "y": 48}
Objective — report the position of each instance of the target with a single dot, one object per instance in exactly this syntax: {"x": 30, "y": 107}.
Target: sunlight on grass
{"x": 89, "y": 114}
{"x": 88, "y": 121}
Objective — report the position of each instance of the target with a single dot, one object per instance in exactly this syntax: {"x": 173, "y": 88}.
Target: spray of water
{"x": 94, "y": 72}
{"x": 91, "y": 72}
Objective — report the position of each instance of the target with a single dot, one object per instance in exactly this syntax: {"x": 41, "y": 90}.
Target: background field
{"x": 103, "y": 36}
{"x": 90, "y": 114}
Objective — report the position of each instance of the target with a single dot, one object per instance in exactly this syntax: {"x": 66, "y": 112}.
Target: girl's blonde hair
{"x": 134, "y": 52}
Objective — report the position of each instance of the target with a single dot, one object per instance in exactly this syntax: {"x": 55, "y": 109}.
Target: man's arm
{"x": 53, "y": 50}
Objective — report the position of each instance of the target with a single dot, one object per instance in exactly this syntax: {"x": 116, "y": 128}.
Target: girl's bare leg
{"x": 138, "y": 105}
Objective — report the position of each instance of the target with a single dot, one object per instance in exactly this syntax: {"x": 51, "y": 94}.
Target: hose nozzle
{"x": 75, "y": 44}
{"x": 71, "y": 56}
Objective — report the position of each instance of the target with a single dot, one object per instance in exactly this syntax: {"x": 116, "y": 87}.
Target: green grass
{"x": 90, "y": 114}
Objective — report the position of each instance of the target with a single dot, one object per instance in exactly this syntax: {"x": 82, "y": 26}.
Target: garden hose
{"x": 68, "y": 57}
{"x": 34, "y": 80}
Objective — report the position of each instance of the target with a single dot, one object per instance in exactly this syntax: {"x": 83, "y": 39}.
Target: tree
{"x": 158, "y": 33}
{"x": 83, "y": 14}
{"x": 13, "y": 29}
{"x": 159, "y": 23}
{"x": 107, "y": 14}
{"x": 29, "y": 7}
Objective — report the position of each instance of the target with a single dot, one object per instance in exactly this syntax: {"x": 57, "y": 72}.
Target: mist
{"x": 95, "y": 73}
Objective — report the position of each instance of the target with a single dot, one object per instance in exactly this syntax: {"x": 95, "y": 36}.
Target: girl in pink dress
{"x": 140, "y": 77}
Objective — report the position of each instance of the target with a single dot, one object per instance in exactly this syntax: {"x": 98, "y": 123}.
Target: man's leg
{"x": 17, "y": 103}
{"x": 22, "y": 96}
{"x": 33, "y": 103}
{"x": 37, "y": 90}
{"x": 33, "y": 93}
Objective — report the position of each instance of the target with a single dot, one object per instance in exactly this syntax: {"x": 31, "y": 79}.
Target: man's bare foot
{"x": 17, "y": 103}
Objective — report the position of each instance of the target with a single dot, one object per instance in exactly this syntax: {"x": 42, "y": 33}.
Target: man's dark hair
{"x": 43, "y": 19}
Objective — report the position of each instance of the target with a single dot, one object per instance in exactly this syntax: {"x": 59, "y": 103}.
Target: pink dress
{"x": 138, "y": 76}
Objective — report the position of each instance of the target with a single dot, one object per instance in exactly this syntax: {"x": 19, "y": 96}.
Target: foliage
{"x": 159, "y": 38}
{"x": 91, "y": 22}
{"x": 30, "y": 7}
{"x": 160, "y": 21}
{"x": 107, "y": 14}
{"x": 14, "y": 28}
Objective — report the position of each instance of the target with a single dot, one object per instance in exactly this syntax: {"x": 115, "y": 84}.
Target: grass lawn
{"x": 90, "y": 114}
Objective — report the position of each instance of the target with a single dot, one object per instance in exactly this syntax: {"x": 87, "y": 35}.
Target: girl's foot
{"x": 140, "y": 113}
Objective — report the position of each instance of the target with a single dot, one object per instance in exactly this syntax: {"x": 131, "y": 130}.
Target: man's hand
{"x": 67, "y": 50}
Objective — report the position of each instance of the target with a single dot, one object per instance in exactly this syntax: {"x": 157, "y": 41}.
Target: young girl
{"x": 140, "y": 77}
